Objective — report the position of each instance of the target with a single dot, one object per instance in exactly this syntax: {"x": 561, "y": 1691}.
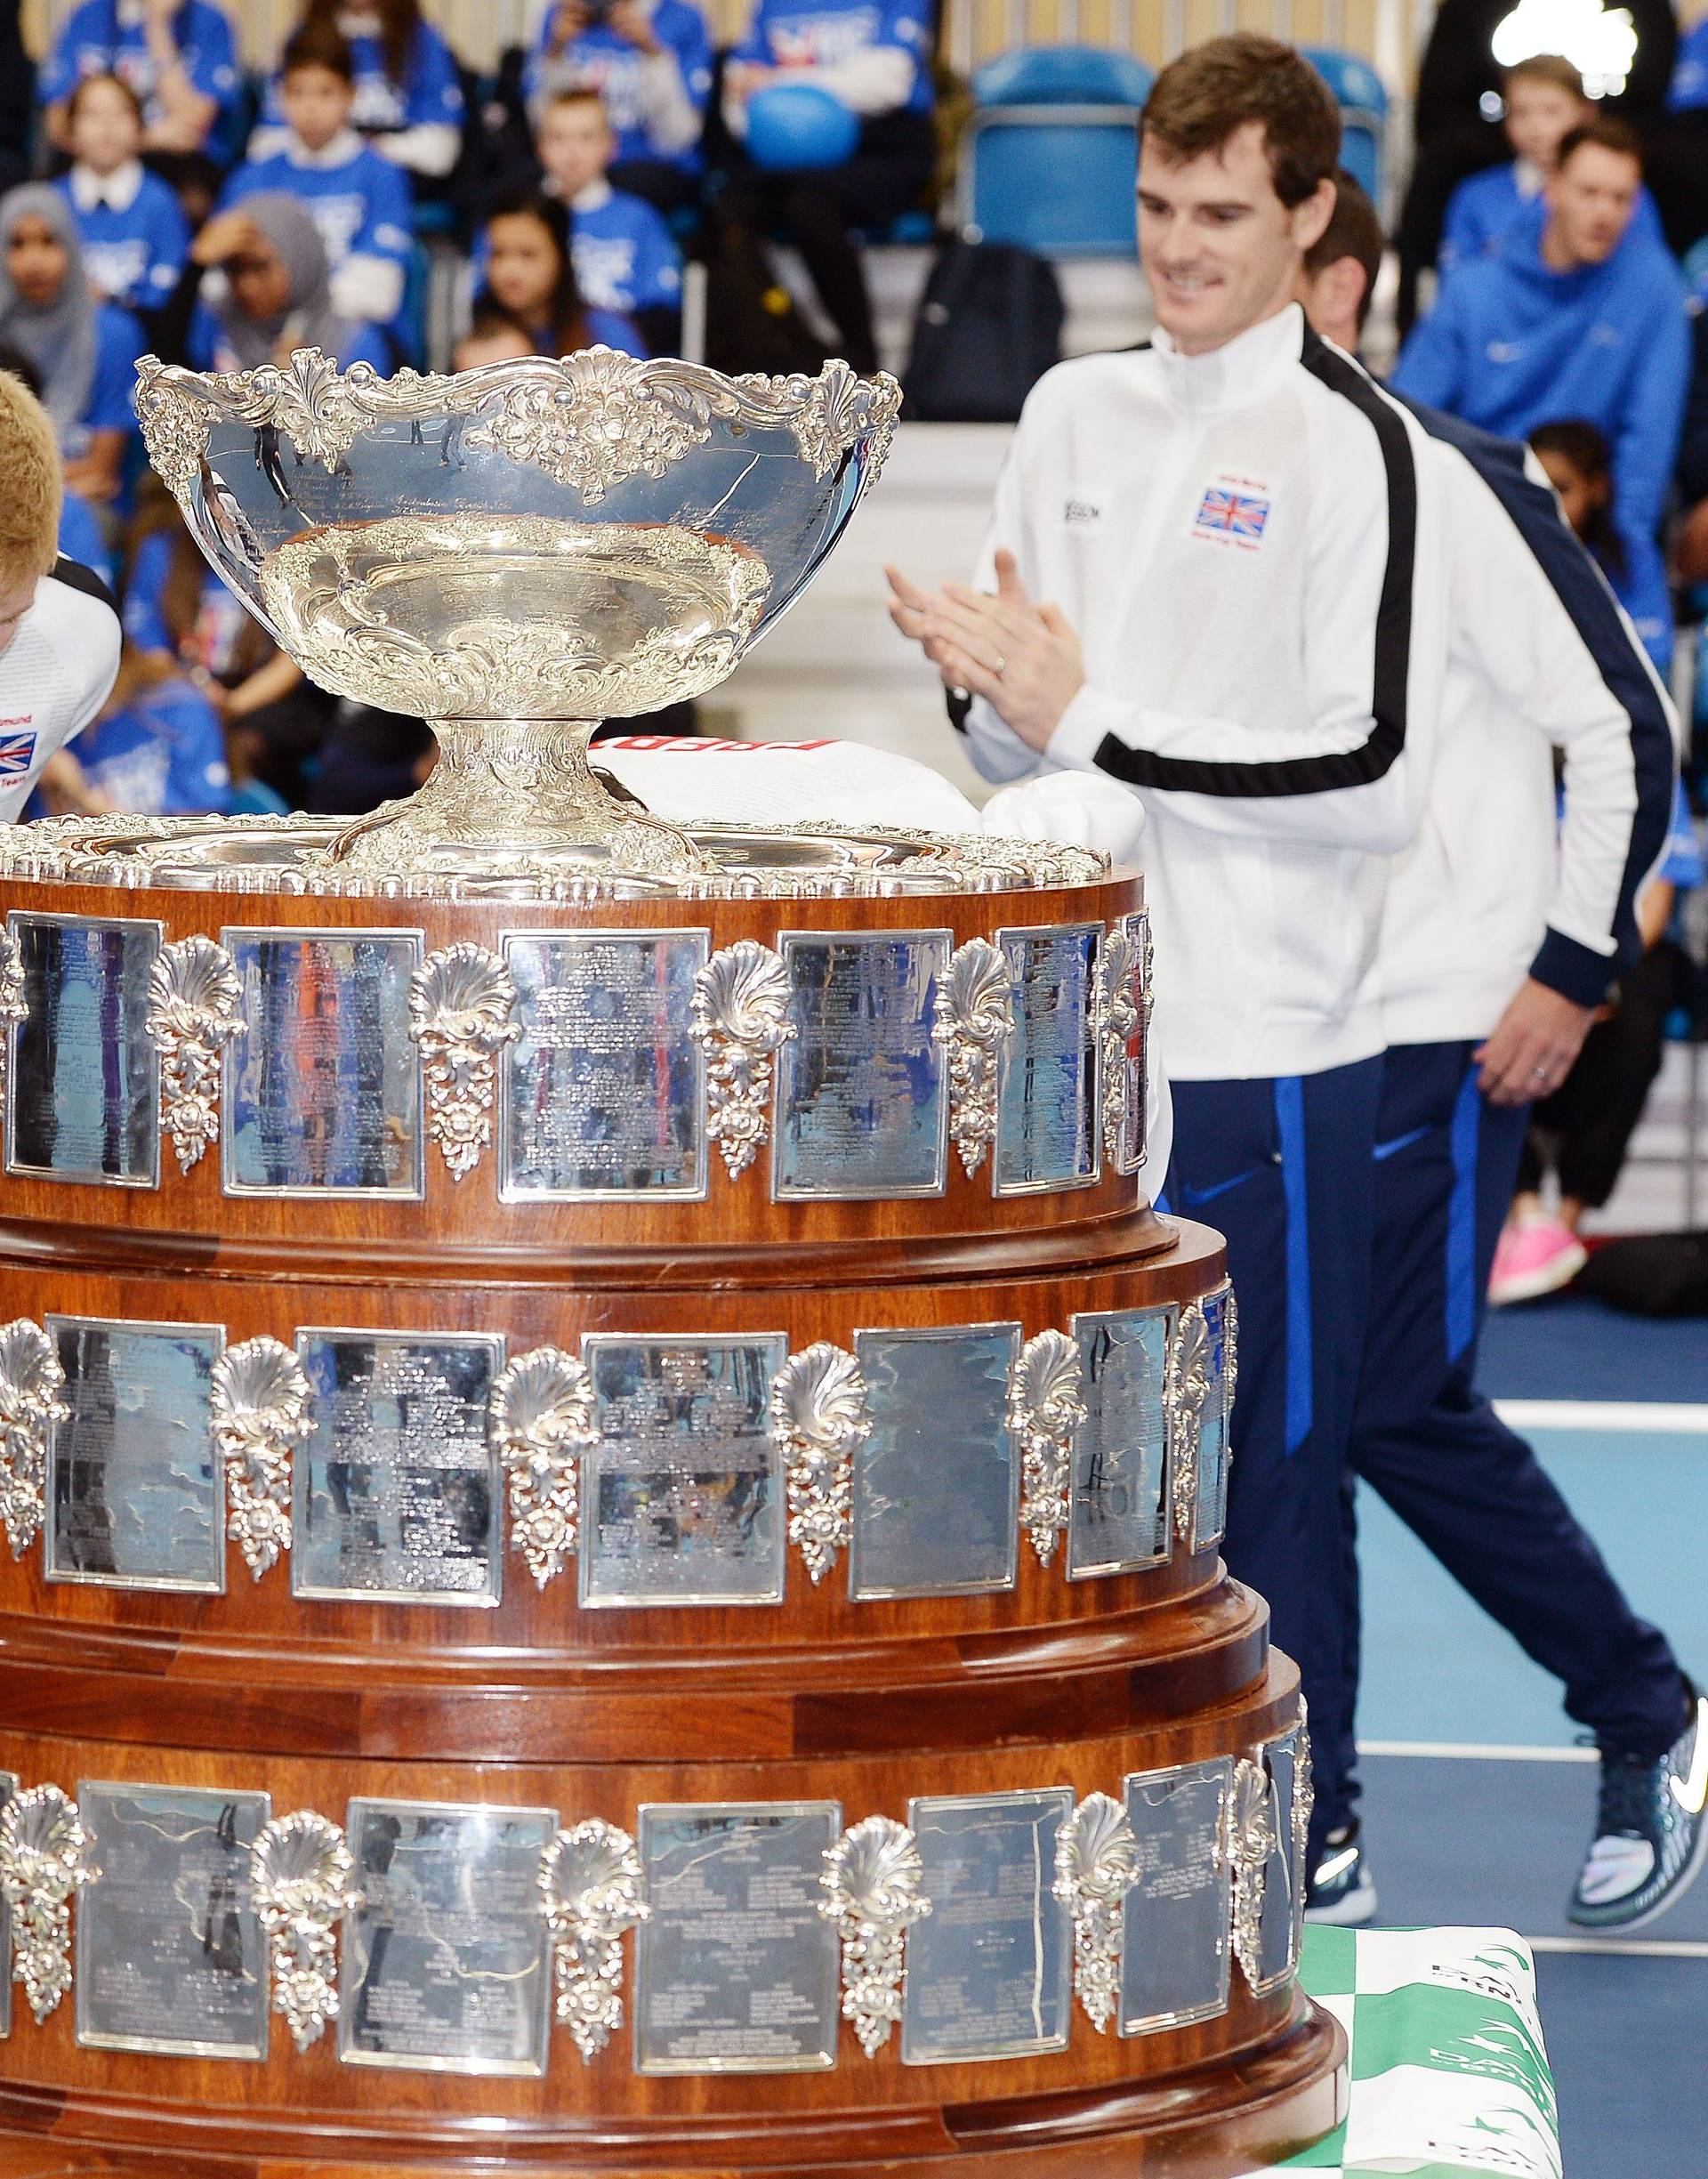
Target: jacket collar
{"x": 119, "y": 189}
{"x": 345, "y": 146}
{"x": 1234, "y": 374}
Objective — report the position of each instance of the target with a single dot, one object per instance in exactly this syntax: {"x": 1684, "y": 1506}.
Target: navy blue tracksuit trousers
{"x": 1428, "y": 1442}
{"x": 1283, "y": 1170}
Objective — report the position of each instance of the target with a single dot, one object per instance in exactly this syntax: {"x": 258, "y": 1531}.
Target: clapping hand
{"x": 1022, "y": 658}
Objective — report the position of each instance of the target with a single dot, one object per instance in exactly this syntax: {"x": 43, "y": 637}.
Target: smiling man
{"x": 1239, "y": 537}
{"x": 58, "y": 632}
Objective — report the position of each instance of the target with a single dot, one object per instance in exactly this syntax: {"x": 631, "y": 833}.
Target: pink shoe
{"x": 1533, "y": 1260}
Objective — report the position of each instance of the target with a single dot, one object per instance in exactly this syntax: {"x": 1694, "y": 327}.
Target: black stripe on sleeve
{"x": 75, "y": 576}
{"x": 1375, "y": 756}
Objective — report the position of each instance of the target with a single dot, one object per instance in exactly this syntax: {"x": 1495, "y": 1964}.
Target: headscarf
{"x": 58, "y": 337}
{"x": 309, "y": 316}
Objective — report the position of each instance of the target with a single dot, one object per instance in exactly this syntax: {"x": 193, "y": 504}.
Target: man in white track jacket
{"x": 1241, "y": 540}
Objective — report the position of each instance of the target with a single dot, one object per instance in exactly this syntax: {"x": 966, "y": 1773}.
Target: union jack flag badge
{"x": 17, "y": 753}
{"x": 1241, "y": 516}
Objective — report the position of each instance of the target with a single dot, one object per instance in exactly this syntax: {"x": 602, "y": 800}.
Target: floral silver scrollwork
{"x": 1230, "y": 1347}
{"x": 1185, "y": 1395}
{"x": 12, "y": 1008}
{"x": 1304, "y": 1804}
{"x": 591, "y": 1890}
{"x": 739, "y": 1013}
{"x": 975, "y": 1019}
{"x": 818, "y": 1405}
{"x": 300, "y": 1878}
{"x": 873, "y": 1882}
{"x": 1045, "y": 1407}
{"x": 1250, "y": 1841}
{"x": 1117, "y": 1018}
{"x": 540, "y": 1412}
{"x": 43, "y": 1860}
{"x": 30, "y": 1383}
{"x": 193, "y": 994}
{"x": 260, "y": 1401}
{"x": 1096, "y": 1864}
{"x": 461, "y": 1004}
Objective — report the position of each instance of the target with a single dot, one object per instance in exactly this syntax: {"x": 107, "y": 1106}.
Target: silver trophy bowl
{"x": 514, "y": 554}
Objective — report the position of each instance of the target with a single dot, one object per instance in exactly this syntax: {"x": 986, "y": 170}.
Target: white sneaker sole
{"x": 1546, "y": 1278}
{"x": 1692, "y": 1869}
{"x": 1351, "y": 1911}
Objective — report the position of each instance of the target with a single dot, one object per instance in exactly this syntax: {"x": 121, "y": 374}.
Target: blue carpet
{"x": 1571, "y": 1348}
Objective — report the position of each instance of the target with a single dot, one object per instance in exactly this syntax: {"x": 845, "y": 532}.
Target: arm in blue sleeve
{"x": 1432, "y": 364}
{"x": 1645, "y": 443}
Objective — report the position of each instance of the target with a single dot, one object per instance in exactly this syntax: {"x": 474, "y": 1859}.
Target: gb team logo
{"x": 1231, "y": 513}
{"x": 17, "y": 753}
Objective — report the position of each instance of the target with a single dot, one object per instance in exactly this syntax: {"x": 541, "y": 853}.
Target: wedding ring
{"x": 1001, "y": 666}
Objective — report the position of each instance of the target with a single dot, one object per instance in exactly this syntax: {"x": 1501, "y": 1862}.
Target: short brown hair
{"x": 578, "y": 94}
{"x": 1545, "y": 68}
{"x": 317, "y": 43}
{"x": 1610, "y": 134}
{"x": 31, "y": 488}
{"x": 1209, "y": 94}
{"x": 85, "y": 84}
{"x": 1354, "y": 230}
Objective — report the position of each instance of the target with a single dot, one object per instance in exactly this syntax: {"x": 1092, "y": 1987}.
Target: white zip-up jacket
{"x": 1540, "y": 658}
{"x": 55, "y": 675}
{"x": 1250, "y": 547}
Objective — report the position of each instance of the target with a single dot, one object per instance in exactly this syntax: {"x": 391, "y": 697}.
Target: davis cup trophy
{"x": 609, "y": 1492}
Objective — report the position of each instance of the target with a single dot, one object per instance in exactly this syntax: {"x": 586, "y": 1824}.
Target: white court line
{"x": 1478, "y": 1751}
{"x": 1635, "y": 1415}
{"x": 1630, "y": 1948}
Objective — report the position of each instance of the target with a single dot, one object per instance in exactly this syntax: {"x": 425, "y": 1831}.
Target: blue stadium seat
{"x": 1050, "y": 158}
{"x": 1362, "y": 97}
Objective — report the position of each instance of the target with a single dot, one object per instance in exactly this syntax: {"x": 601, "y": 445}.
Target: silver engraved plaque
{"x": 1046, "y": 1099}
{"x": 398, "y": 1494}
{"x": 1210, "y": 1512}
{"x": 83, "y": 1084}
{"x": 1175, "y": 1934}
{"x": 861, "y": 1105}
{"x": 323, "y": 1092}
{"x": 170, "y": 1954}
{"x": 604, "y": 1094}
{"x": 134, "y": 1491}
{"x": 937, "y": 1481}
{"x": 736, "y": 1969}
{"x": 989, "y": 1968}
{"x": 1281, "y": 1923}
{"x": 683, "y": 1493}
{"x": 447, "y": 1964}
{"x": 8, "y": 1786}
{"x": 1118, "y": 1511}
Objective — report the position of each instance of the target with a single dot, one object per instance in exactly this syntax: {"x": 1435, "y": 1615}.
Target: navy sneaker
{"x": 1341, "y": 1892}
{"x": 1651, "y": 1832}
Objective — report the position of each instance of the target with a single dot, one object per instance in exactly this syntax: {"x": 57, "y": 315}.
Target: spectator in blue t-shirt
{"x": 409, "y": 101}
{"x": 875, "y": 58}
{"x": 84, "y": 351}
{"x": 626, "y": 258}
{"x": 180, "y": 61}
{"x": 135, "y": 237}
{"x": 357, "y": 200}
{"x": 650, "y": 61}
{"x": 80, "y": 534}
{"x": 530, "y": 282}
{"x": 1572, "y": 317}
{"x": 272, "y": 294}
{"x": 156, "y": 748}
{"x": 1545, "y": 101}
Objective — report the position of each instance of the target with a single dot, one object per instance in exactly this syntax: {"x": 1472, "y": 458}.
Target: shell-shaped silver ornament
{"x": 873, "y": 1881}
{"x": 974, "y": 1014}
{"x": 739, "y": 1015}
{"x": 818, "y": 1407}
{"x": 300, "y": 1876}
{"x": 591, "y": 1892}
{"x": 31, "y": 1381}
{"x": 1096, "y": 1864}
{"x": 461, "y": 1001}
{"x": 540, "y": 1414}
{"x": 260, "y": 1401}
{"x": 1251, "y": 1841}
{"x": 194, "y": 996}
{"x": 1045, "y": 1407}
{"x": 43, "y": 1861}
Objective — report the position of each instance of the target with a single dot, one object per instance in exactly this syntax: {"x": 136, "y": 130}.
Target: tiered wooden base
{"x": 540, "y": 1703}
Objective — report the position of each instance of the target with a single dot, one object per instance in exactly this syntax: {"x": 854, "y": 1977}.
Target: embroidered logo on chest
{"x": 1080, "y": 513}
{"x": 17, "y": 751}
{"x": 1234, "y": 511}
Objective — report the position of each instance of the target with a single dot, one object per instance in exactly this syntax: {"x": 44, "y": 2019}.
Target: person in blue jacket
{"x": 359, "y": 202}
{"x": 273, "y": 293}
{"x": 1562, "y": 321}
{"x": 179, "y": 56}
{"x": 876, "y": 60}
{"x": 156, "y": 748}
{"x": 1578, "y": 462}
{"x": 650, "y": 62}
{"x": 1545, "y": 101}
{"x": 530, "y": 282}
{"x": 409, "y": 103}
{"x": 84, "y": 351}
{"x": 626, "y": 258}
{"x": 135, "y": 237}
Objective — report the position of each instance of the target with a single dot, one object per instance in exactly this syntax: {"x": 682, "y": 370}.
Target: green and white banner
{"x": 1449, "y": 2071}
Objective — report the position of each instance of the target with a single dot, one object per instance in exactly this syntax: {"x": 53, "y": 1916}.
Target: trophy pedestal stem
{"x": 505, "y": 789}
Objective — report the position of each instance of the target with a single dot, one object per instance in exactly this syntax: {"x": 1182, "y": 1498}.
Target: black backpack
{"x": 751, "y": 323}
{"x": 989, "y": 327}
